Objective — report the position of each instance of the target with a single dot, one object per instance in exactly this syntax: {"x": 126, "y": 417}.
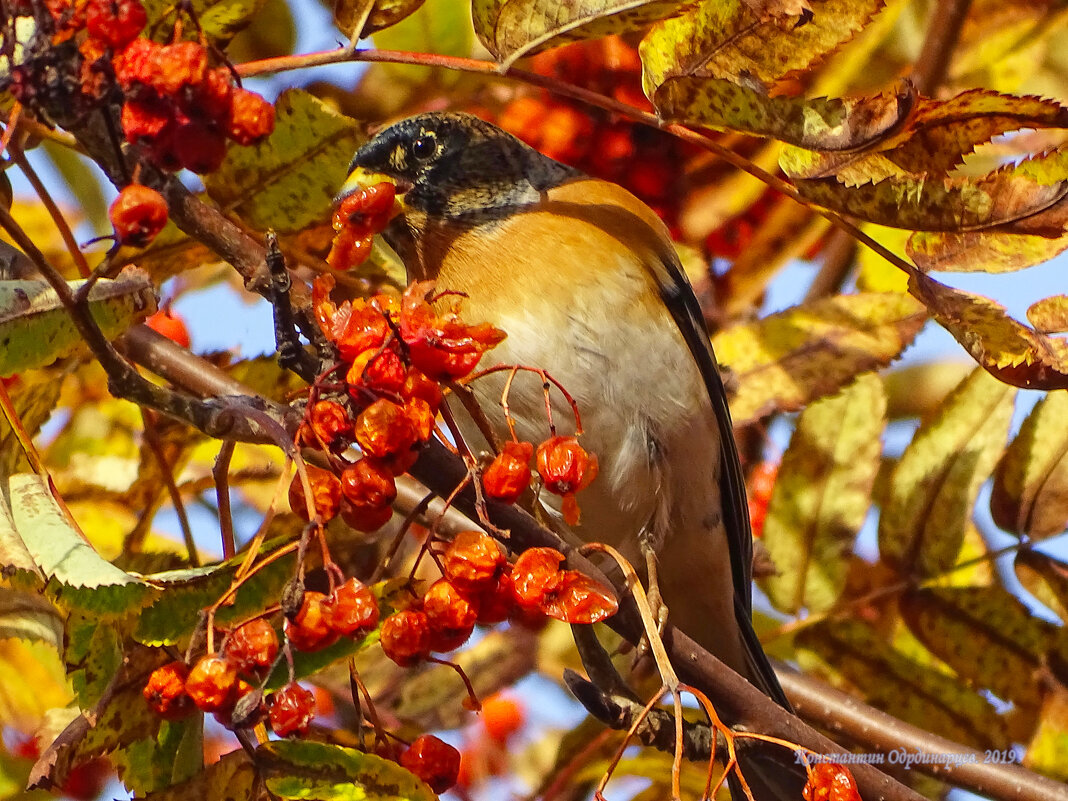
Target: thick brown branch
{"x": 947, "y": 19}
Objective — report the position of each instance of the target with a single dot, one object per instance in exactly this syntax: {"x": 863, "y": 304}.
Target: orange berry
{"x": 450, "y": 614}
{"x": 501, "y": 717}
{"x": 310, "y": 629}
{"x": 383, "y": 429}
{"x": 171, "y": 325}
{"x": 165, "y": 691}
{"x": 212, "y": 682}
{"x": 290, "y": 710}
{"x": 251, "y": 117}
{"x": 535, "y": 575}
{"x": 138, "y": 214}
{"x": 435, "y": 762}
{"x": 253, "y": 646}
{"x": 508, "y": 475}
{"x": 351, "y": 609}
{"x": 473, "y": 561}
{"x": 326, "y": 493}
{"x": 405, "y": 637}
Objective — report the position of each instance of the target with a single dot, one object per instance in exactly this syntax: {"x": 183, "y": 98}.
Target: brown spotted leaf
{"x": 934, "y": 139}
{"x": 511, "y": 29}
{"x": 934, "y": 485}
{"x": 729, "y": 38}
{"x": 1006, "y": 198}
{"x": 986, "y": 635}
{"x": 891, "y": 681}
{"x": 1007, "y": 349}
{"x": 981, "y": 251}
{"x": 822, "y": 495}
{"x": 1049, "y": 315}
{"x": 1030, "y": 495}
{"x": 352, "y": 14}
{"x": 818, "y": 124}
{"x": 788, "y": 359}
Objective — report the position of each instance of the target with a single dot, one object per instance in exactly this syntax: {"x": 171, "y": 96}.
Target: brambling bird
{"x": 585, "y": 281}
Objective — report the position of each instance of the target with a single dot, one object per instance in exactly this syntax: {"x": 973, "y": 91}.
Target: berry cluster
{"x": 479, "y": 586}
{"x": 183, "y": 109}
{"x": 565, "y": 468}
{"x": 645, "y": 161}
{"x": 392, "y": 353}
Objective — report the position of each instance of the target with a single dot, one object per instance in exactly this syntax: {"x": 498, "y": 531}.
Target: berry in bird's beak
{"x": 364, "y": 206}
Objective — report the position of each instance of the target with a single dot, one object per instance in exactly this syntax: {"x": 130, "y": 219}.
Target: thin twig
{"x": 156, "y": 448}
{"x": 220, "y": 472}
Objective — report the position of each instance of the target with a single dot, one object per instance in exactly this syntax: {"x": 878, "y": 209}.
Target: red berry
{"x": 171, "y": 325}
{"x": 351, "y": 609}
{"x": 579, "y": 599}
{"x": 496, "y": 604}
{"x": 473, "y": 561}
{"x": 199, "y": 147}
{"x": 212, "y": 682}
{"x": 435, "y": 762}
{"x": 253, "y": 646}
{"x": 378, "y": 370}
{"x": 165, "y": 691}
{"x": 565, "y": 468}
{"x": 365, "y": 518}
{"x": 330, "y": 421}
{"x": 421, "y": 417}
{"x": 182, "y": 64}
{"x": 535, "y": 576}
{"x": 117, "y": 22}
{"x": 326, "y": 493}
{"x": 309, "y": 630}
{"x": 368, "y": 483}
{"x": 384, "y": 430}
{"x": 251, "y": 117}
{"x": 406, "y": 637}
{"x": 417, "y": 385}
{"x": 829, "y": 781}
{"x": 138, "y": 215}
{"x": 290, "y": 710}
{"x": 508, "y": 475}
{"x": 450, "y": 614}
{"x": 501, "y": 717}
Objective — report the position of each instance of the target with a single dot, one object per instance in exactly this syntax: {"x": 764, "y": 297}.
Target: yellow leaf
{"x": 1049, "y": 315}
{"x": 786, "y": 360}
{"x": 935, "y": 483}
{"x": 822, "y": 495}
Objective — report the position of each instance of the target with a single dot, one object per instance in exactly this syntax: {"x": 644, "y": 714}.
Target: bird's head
{"x": 451, "y": 165}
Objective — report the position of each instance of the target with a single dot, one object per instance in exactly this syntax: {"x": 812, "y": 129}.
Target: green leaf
{"x": 35, "y": 329}
{"x": 288, "y": 180}
{"x": 892, "y": 681}
{"x": 297, "y": 769}
{"x": 788, "y": 359}
{"x": 173, "y": 756}
{"x": 88, "y": 580}
{"x": 1007, "y": 349}
{"x": 986, "y": 635}
{"x": 822, "y": 495}
{"x": 935, "y": 483}
{"x": 511, "y": 29}
{"x": 1030, "y": 496}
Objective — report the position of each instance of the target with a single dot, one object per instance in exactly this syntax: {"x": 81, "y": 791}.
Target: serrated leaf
{"x": 730, "y": 38}
{"x": 297, "y": 769}
{"x": 232, "y": 778}
{"x": 93, "y": 655}
{"x": 986, "y": 635}
{"x": 35, "y": 329}
{"x": 892, "y": 681}
{"x": 511, "y": 29}
{"x": 934, "y": 139}
{"x": 174, "y": 756}
{"x": 935, "y": 483}
{"x": 1007, "y": 349}
{"x": 981, "y": 251}
{"x": 174, "y": 615}
{"x": 1030, "y": 495}
{"x": 1049, "y": 315}
{"x": 1004, "y": 198}
{"x": 786, "y": 360}
{"x": 88, "y": 580}
{"x": 822, "y": 123}
{"x": 288, "y": 180}
{"x": 822, "y": 495}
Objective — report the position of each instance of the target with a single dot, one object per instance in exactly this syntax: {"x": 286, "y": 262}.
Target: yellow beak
{"x": 361, "y": 178}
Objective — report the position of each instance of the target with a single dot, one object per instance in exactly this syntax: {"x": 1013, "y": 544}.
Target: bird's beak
{"x": 361, "y": 178}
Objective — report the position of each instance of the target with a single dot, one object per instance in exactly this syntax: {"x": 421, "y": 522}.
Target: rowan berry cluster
{"x": 645, "y": 161}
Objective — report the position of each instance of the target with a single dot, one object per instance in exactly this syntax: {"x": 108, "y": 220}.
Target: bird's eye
{"x": 424, "y": 146}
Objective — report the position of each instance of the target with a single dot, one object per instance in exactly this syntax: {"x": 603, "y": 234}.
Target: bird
{"x": 584, "y": 279}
